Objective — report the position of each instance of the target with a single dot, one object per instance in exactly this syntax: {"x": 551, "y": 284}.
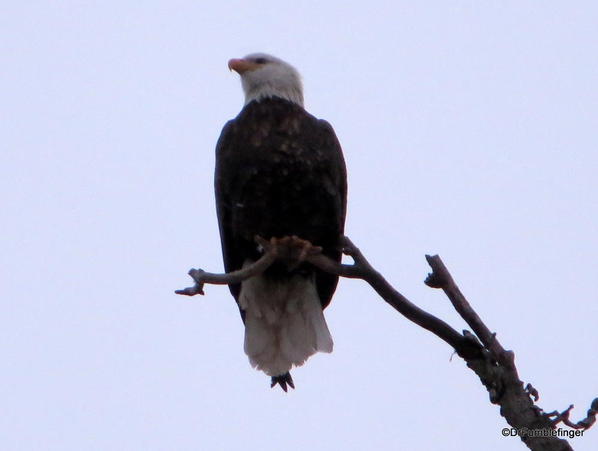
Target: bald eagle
{"x": 279, "y": 172}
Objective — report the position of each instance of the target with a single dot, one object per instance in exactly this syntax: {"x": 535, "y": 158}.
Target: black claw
{"x": 283, "y": 380}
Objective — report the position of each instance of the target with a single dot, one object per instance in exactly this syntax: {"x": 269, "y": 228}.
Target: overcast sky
{"x": 470, "y": 129}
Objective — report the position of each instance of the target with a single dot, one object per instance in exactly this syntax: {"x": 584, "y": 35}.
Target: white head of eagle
{"x": 265, "y": 76}
{"x": 280, "y": 173}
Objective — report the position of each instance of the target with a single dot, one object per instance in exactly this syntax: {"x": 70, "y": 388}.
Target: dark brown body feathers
{"x": 279, "y": 172}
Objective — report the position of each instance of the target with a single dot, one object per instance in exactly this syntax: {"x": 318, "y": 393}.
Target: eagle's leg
{"x": 283, "y": 380}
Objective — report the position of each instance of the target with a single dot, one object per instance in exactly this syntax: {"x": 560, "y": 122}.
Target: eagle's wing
{"x": 335, "y": 181}
{"x": 225, "y": 164}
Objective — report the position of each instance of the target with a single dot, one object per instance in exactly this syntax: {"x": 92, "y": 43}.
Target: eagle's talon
{"x": 292, "y": 248}
{"x": 299, "y": 250}
{"x": 283, "y": 380}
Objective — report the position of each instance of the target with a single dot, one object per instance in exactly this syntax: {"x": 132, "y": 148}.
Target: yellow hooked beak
{"x": 241, "y": 66}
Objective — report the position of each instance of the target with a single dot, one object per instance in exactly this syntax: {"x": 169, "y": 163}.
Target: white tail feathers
{"x": 284, "y": 323}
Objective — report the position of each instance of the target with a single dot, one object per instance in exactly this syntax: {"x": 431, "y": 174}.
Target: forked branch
{"x": 481, "y": 350}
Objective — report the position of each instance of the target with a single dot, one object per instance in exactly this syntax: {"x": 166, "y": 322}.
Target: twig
{"x": 201, "y": 277}
{"x": 362, "y": 269}
{"x": 529, "y": 388}
{"x": 441, "y": 278}
{"x": 584, "y": 423}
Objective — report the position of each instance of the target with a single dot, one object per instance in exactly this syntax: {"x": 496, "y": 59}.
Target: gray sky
{"x": 469, "y": 129}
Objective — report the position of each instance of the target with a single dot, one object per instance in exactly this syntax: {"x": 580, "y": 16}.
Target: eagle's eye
{"x": 261, "y": 60}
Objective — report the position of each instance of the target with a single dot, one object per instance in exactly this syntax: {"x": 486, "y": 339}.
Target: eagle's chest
{"x": 281, "y": 192}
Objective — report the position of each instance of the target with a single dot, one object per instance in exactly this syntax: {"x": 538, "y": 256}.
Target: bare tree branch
{"x": 362, "y": 269}
{"x": 441, "y": 278}
{"x": 499, "y": 374}
{"x": 481, "y": 350}
{"x": 201, "y": 277}
{"x": 585, "y": 423}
